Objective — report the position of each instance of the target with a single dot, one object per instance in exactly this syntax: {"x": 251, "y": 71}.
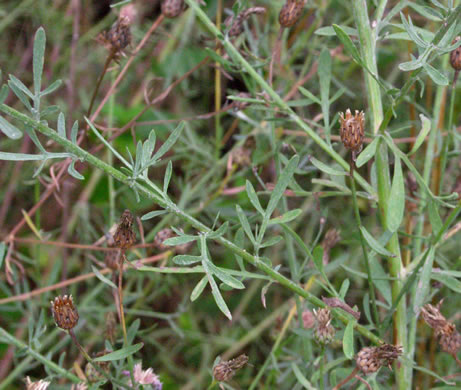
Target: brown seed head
{"x": 64, "y": 312}
{"x": 352, "y": 130}
{"x": 124, "y": 236}
{"x": 455, "y": 55}
{"x": 225, "y": 370}
{"x": 172, "y": 8}
{"x": 324, "y": 332}
{"x": 449, "y": 338}
{"x": 118, "y": 37}
{"x": 371, "y": 359}
{"x": 290, "y": 12}
{"x": 236, "y": 23}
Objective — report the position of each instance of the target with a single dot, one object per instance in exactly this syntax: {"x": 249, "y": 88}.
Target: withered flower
{"x": 64, "y": 312}
{"x": 118, "y": 37}
{"x": 225, "y": 370}
{"x": 290, "y": 12}
{"x": 324, "y": 332}
{"x": 352, "y": 131}
{"x": 236, "y": 23}
{"x": 124, "y": 236}
{"x": 449, "y": 338}
{"x": 455, "y": 59}
{"x": 172, "y": 8}
{"x": 371, "y": 359}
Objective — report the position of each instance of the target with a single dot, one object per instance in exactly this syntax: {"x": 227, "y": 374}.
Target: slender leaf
{"x": 224, "y": 276}
{"x": 51, "y": 88}
{"x": 2, "y": 252}
{"x": 434, "y": 217}
{"x": 20, "y": 95}
{"x": 153, "y": 214}
{"x": 424, "y": 283}
{"x": 102, "y": 278}
{"x": 367, "y": 153}
{"x": 347, "y": 42}
{"x": 437, "y": 77}
{"x": 326, "y": 169}
{"x": 253, "y": 197}
{"x": 38, "y": 58}
{"x": 287, "y": 217}
{"x": 396, "y": 205}
{"x": 426, "y": 127}
{"x": 198, "y": 289}
{"x": 3, "y": 93}
{"x": 173, "y": 241}
{"x": 282, "y": 183}
{"x": 20, "y": 85}
{"x": 169, "y": 142}
{"x": 448, "y": 281}
{"x": 167, "y": 178}
{"x": 120, "y": 354}
{"x": 271, "y": 241}
{"x": 301, "y": 378}
{"x": 62, "y": 125}
{"x": 244, "y": 222}
{"x": 348, "y": 340}
{"x": 9, "y": 130}
{"x": 374, "y": 244}
{"x": 186, "y": 259}
{"x": 324, "y": 73}
{"x": 73, "y": 172}
{"x": 310, "y": 95}
{"x": 220, "y": 232}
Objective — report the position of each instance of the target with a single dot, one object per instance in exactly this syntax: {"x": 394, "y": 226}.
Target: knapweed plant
{"x": 230, "y": 194}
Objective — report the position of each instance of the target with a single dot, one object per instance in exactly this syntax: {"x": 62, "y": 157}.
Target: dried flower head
{"x": 40, "y": 385}
{"x": 172, "y": 8}
{"x": 225, "y": 370}
{"x": 352, "y": 131}
{"x": 455, "y": 59}
{"x": 290, "y": 12}
{"x": 236, "y": 23}
{"x": 449, "y": 338}
{"x": 324, "y": 332}
{"x": 371, "y": 359}
{"x": 124, "y": 236}
{"x": 64, "y": 312}
{"x": 163, "y": 235}
{"x": 118, "y": 37}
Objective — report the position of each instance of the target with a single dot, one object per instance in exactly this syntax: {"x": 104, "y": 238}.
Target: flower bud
{"x": 64, "y": 312}
{"x": 290, "y": 12}
{"x": 352, "y": 131}
{"x": 124, "y": 236}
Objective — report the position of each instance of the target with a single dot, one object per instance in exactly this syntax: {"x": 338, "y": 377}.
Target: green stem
{"x": 365, "y": 255}
{"x": 367, "y": 43}
{"x": 37, "y": 356}
{"x": 173, "y": 208}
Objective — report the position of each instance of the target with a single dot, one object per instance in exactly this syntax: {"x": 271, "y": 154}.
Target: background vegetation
{"x": 249, "y": 174}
